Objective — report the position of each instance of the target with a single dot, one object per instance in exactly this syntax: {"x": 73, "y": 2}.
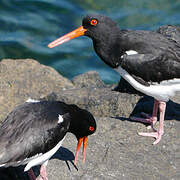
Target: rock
{"x": 100, "y": 101}
{"x": 145, "y": 104}
{"x": 124, "y": 87}
{"x": 115, "y": 151}
{"x": 89, "y": 80}
{"x": 21, "y": 79}
{"x": 171, "y": 32}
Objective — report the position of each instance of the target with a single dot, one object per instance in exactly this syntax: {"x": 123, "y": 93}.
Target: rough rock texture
{"x": 21, "y": 79}
{"x": 100, "y": 102}
{"x": 171, "y": 32}
{"x": 115, "y": 151}
{"x": 88, "y": 80}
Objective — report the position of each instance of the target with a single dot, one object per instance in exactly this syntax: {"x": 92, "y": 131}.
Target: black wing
{"x": 31, "y": 129}
{"x": 152, "y": 68}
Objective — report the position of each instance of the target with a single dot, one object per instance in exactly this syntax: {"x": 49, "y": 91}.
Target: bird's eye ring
{"x": 91, "y": 128}
{"x": 94, "y": 22}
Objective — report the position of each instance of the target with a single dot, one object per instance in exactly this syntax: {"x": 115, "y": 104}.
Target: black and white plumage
{"x": 33, "y": 132}
{"x": 148, "y": 60}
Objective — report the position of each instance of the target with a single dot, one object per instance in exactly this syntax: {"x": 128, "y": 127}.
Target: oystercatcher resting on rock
{"x": 34, "y": 131}
{"x": 149, "y": 61}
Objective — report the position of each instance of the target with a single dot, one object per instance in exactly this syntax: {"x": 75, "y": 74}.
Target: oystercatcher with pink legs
{"x": 148, "y": 60}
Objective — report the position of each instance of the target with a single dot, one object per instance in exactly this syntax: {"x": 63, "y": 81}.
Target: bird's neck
{"x": 109, "y": 50}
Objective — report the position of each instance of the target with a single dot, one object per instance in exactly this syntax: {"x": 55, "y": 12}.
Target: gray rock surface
{"x": 115, "y": 151}
{"x": 171, "y": 32}
{"x": 88, "y": 80}
{"x": 21, "y": 79}
{"x": 99, "y": 101}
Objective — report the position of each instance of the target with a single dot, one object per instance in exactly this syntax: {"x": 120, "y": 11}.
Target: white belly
{"x": 38, "y": 159}
{"x": 42, "y": 158}
{"x": 161, "y": 92}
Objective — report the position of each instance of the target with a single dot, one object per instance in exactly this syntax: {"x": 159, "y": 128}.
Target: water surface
{"x": 27, "y": 26}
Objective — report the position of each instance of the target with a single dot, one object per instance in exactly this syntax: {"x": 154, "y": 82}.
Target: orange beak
{"x": 76, "y": 33}
{"x": 84, "y": 140}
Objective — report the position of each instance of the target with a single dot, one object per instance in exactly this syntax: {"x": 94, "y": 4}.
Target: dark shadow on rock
{"x": 145, "y": 105}
{"x": 13, "y": 173}
{"x": 121, "y": 118}
{"x": 66, "y": 155}
{"x": 63, "y": 154}
{"x": 17, "y": 173}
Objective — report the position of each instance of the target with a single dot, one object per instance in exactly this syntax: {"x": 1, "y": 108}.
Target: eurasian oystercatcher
{"x": 148, "y": 60}
{"x": 33, "y": 132}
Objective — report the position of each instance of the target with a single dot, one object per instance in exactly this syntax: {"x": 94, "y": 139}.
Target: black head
{"x": 105, "y": 35}
{"x": 82, "y": 122}
{"x": 97, "y": 27}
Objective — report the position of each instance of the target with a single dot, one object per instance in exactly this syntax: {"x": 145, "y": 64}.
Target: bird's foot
{"x": 147, "y": 119}
{"x": 157, "y": 135}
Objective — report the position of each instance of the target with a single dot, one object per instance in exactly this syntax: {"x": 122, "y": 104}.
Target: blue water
{"x": 28, "y": 26}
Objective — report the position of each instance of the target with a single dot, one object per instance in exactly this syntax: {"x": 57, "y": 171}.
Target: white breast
{"x": 161, "y": 92}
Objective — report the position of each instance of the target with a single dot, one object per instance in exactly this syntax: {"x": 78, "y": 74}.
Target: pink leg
{"x": 31, "y": 174}
{"x": 158, "y": 134}
{"x": 151, "y": 120}
{"x": 43, "y": 173}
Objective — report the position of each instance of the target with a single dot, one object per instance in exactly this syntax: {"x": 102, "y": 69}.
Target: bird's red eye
{"x": 91, "y": 128}
{"x": 94, "y": 22}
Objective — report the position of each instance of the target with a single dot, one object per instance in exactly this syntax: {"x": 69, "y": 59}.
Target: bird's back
{"x": 150, "y": 42}
{"x": 157, "y": 56}
{"x": 31, "y": 129}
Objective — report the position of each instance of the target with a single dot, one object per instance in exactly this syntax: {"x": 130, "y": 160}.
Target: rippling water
{"x": 28, "y": 26}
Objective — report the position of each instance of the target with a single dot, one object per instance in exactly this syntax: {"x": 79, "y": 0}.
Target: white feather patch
{"x": 131, "y": 52}
{"x": 60, "y": 119}
{"x": 1, "y": 165}
{"x": 32, "y": 100}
